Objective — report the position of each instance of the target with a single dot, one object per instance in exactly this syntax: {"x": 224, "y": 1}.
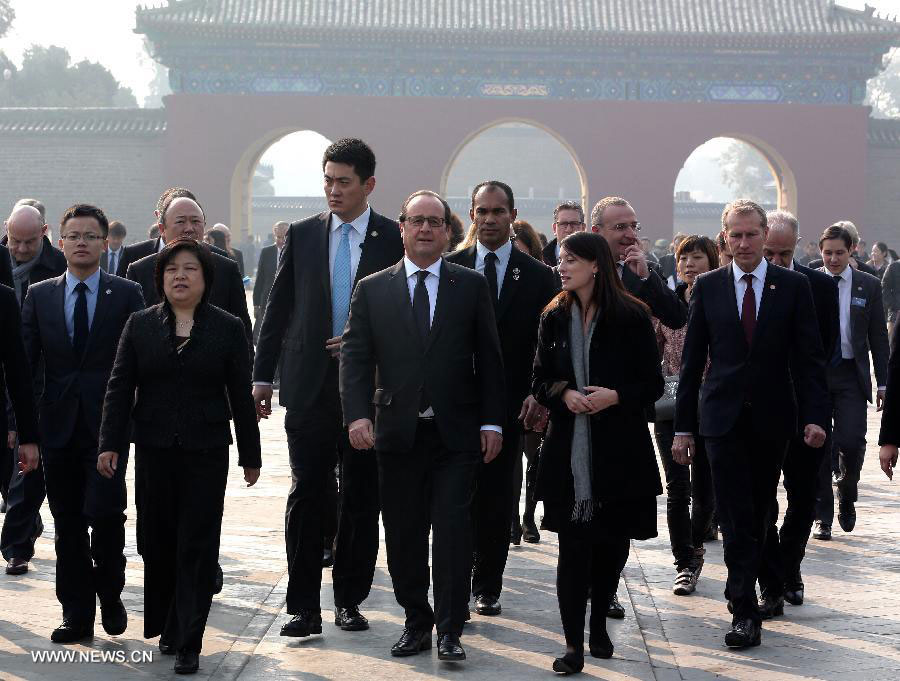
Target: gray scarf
{"x": 22, "y": 271}
{"x": 582, "y": 468}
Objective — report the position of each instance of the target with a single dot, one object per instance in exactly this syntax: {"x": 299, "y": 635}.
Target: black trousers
{"x": 530, "y": 444}
{"x": 22, "y": 523}
{"x": 182, "y": 529}
{"x": 584, "y": 563}
{"x": 87, "y": 565}
{"x": 429, "y": 488}
{"x": 492, "y": 514}
{"x": 784, "y": 551}
{"x": 690, "y": 502}
{"x": 745, "y": 468}
{"x": 848, "y": 440}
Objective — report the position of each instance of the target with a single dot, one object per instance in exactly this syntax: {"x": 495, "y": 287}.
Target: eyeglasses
{"x": 622, "y": 226}
{"x": 419, "y": 220}
{"x": 75, "y": 237}
{"x": 569, "y": 225}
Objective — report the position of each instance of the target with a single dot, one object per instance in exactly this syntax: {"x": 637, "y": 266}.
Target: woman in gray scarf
{"x": 597, "y": 369}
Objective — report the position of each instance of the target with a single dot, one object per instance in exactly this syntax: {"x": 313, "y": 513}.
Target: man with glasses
{"x": 73, "y": 324}
{"x": 568, "y": 218}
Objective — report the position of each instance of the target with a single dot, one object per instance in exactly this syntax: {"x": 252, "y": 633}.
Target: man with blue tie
{"x": 323, "y": 257}
{"x": 112, "y": 256}
{"x": 73, "y": 322}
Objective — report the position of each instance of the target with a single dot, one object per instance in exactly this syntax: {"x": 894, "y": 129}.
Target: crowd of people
{"x": 417, "y": 362}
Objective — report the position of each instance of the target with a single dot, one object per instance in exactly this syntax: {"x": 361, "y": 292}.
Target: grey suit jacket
{"x": 868, "y": 330}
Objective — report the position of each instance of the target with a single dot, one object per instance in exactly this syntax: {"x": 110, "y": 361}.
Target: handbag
{"x": 665, "y": 405}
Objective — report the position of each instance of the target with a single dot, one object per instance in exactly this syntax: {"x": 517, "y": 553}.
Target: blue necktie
{"x": 341, "y": 285}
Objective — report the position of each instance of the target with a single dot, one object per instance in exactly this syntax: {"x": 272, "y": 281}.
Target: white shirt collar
{"x": 502, "y": 253}
{"x": 411, "y": 268}
{"x": 846, "y": 275}
{"x": 759, "y": 272}
{"x": 791, "y": 265}
{"x": 92, "y": 282}
{"x": 360, "y": 224}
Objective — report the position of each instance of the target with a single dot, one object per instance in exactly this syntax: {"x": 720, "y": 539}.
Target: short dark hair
{"x": 218, "y": 238}
{"x": 85, "y": 210}
{"x": 745, "y": 207}
{"x": 602, "y": 205}
{"x": 496, "y": 184}
{"x": 568, "y": 205}
{"x": 704, "y": 244}
{"x": 207, "y": 264}
{"x": 837, "y": 231}
{"x": 448, "y": 214}
{"x": 117, "y": 229}
{"x": 353, "y": 152}
{"x": 172, "y": 193}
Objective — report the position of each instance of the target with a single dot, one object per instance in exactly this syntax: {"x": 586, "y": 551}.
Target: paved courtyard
{"x": 848, "y": 629}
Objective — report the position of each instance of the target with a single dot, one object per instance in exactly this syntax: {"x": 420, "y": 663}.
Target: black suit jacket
{"x": 890, "y": 288}
{"x": 74, "y": 386}
{"x": 890, "y": 417}
{"x": 51, "y": 263}
{"x": 15, "y": 378}
{"x": 185, "y": 398}
{"x": 460, "y": 365}
{"x": 227, "y": 288}
{"x": 6, "y": 278}
{"x": 134, "y": 252}
{"x": 825, "y": 299}
{"x": 265, "y": 275}
{"x": 527, "y": 288}
{"x": 664, "y": 303}
{"x": 239, "y": 259}
{"x": 868, "y": 331}
{"x": 298, "y": 314}
{"x": 104, "y": 262}
{"x": 667, "y": 265}
{"x": 785, "y": 356}
{"x": 549, "y": 253}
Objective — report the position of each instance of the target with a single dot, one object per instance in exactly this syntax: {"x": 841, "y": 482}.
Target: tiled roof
{"x": 820, "y": 18}
{"x": 884, "y": 132}
{"x": 106, "y": 122}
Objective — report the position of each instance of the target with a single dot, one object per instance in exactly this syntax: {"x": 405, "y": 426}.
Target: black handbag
{"x": 665, "y": 405}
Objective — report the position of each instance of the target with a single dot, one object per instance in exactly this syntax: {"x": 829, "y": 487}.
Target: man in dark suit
{"x": 6, "y": 277}
{"x": 863, "y": 330}
{"x": 183, "y": 217}
{"x": 323, "y": 257}
{"x": 779, "y": 573}
{"x": 520, "y": 289}
{"x": 33, "y": 260}
{"x": 889, "y": 437}
{"x": 141, "y": 249}
{"x": 421, "y": 346}
{"x": 756, "y": 326}
{"x": 74, "y": 322}
{"x": 265, "y": 274}
{"x": 856, "y": 262}
{"x": 236, "y": 254}
{"x": 568, "y": 218}
{"x": 112, "y": 256}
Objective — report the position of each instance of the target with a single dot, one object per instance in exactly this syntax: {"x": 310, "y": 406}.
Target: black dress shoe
{"x": 822, "y": 531}
{"x": 744, "y": 634}
{"x": 600, "y": 645}
{"x": 303, "y": 624}
{"x": 327, "y": 558}
{"x": 570, "y": 663}
{"x": 450, "y": 649}
{"x": 847, "y": 515}
{"x": 17, "y": 566}
{"x": 794, "y": 596}
{"x": 70, "y": 632}
{"x": 113, "y": 617}
{"x": 530, "y": 534}
{"x": 412, "y": 642}
{"x": 515, "y": 532}
{"x": 350, "y": 619}
{"x": 219, "y": 580}
{"x": 165, "y": 647}
{"x": 615, "y": 610}
{"x": 186, "y": 663}
{"x": 487, "y": 605}
{"x": 770, "y": 606}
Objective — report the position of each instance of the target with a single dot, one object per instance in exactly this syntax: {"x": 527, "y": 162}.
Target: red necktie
{"x": 748, "y": 309}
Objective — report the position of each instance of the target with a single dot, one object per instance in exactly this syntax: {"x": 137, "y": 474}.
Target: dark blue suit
{"x": 69, "y": 420}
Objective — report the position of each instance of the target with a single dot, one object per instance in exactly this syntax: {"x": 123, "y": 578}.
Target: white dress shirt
{"x": 160, "y": 245}
{"x": 356, "y": 236}
{"x": 740, "y": 286}
{"x": 845, "y": 292}
{"x": 431, "y": 285}
{"x": 502, "y": 254}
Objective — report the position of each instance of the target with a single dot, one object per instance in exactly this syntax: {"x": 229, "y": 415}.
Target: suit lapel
{"x": 400, "y": 293}
{"x": 730, "y": 304}
{"x": 857, "y": 312}
{"x": 59, "y": 304}
{"x": 320, "y": 245}
{"x": 768, "y": 302}
{"x": 370, "y": 245}
{"x": 444, "y": 295}
{"x": 510, "y": 282}
{"x": 104, "y": 292}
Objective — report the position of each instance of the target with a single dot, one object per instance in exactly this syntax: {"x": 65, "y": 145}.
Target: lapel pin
{"x": 374, "y": 233}
{"x": 772, "y": 286}
{"x": 516, "y": 273}
{"x": 108, "y": 291}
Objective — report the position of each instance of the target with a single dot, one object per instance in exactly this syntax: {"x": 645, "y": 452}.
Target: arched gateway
{"x": 632, "y": 87}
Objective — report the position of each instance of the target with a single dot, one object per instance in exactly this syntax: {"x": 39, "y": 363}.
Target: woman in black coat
{"x": 190, "y": 364}
{"x": 597, "y": 369}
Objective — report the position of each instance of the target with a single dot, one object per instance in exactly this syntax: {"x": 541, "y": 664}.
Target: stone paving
{"x": 847, "y": 629}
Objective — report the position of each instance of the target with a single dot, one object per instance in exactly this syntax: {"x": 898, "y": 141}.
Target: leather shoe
{"x": 113, "y": 617}
{"x": 794, "y": 596}
{"x": 412, "y": 642}
{"x": 822, "y": 531}
{"x": 219, "y": 581}
{"x": 530, "y": 534}
{"x": 17, "y": 566}
{"x": 515, "y": 532}
{"x": 847, "y": 516}
{"x": 70, "y": 632}
{"x": 770, "y": 606}
{"x": 487, "y": 605}
{"x": 327, "y": 558}
{"x": 165, "y": 647}
{"x": 615, "y": 610}
{"x": 570, "y": 663}
{"x": 744, "y": 634}
{"x": 186, "y": 663}
{"x": 449, "y": 648}
{"x": 600, "y": 644}
{"x": 303, "y": 624}
{"x": 350, "y": 619}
